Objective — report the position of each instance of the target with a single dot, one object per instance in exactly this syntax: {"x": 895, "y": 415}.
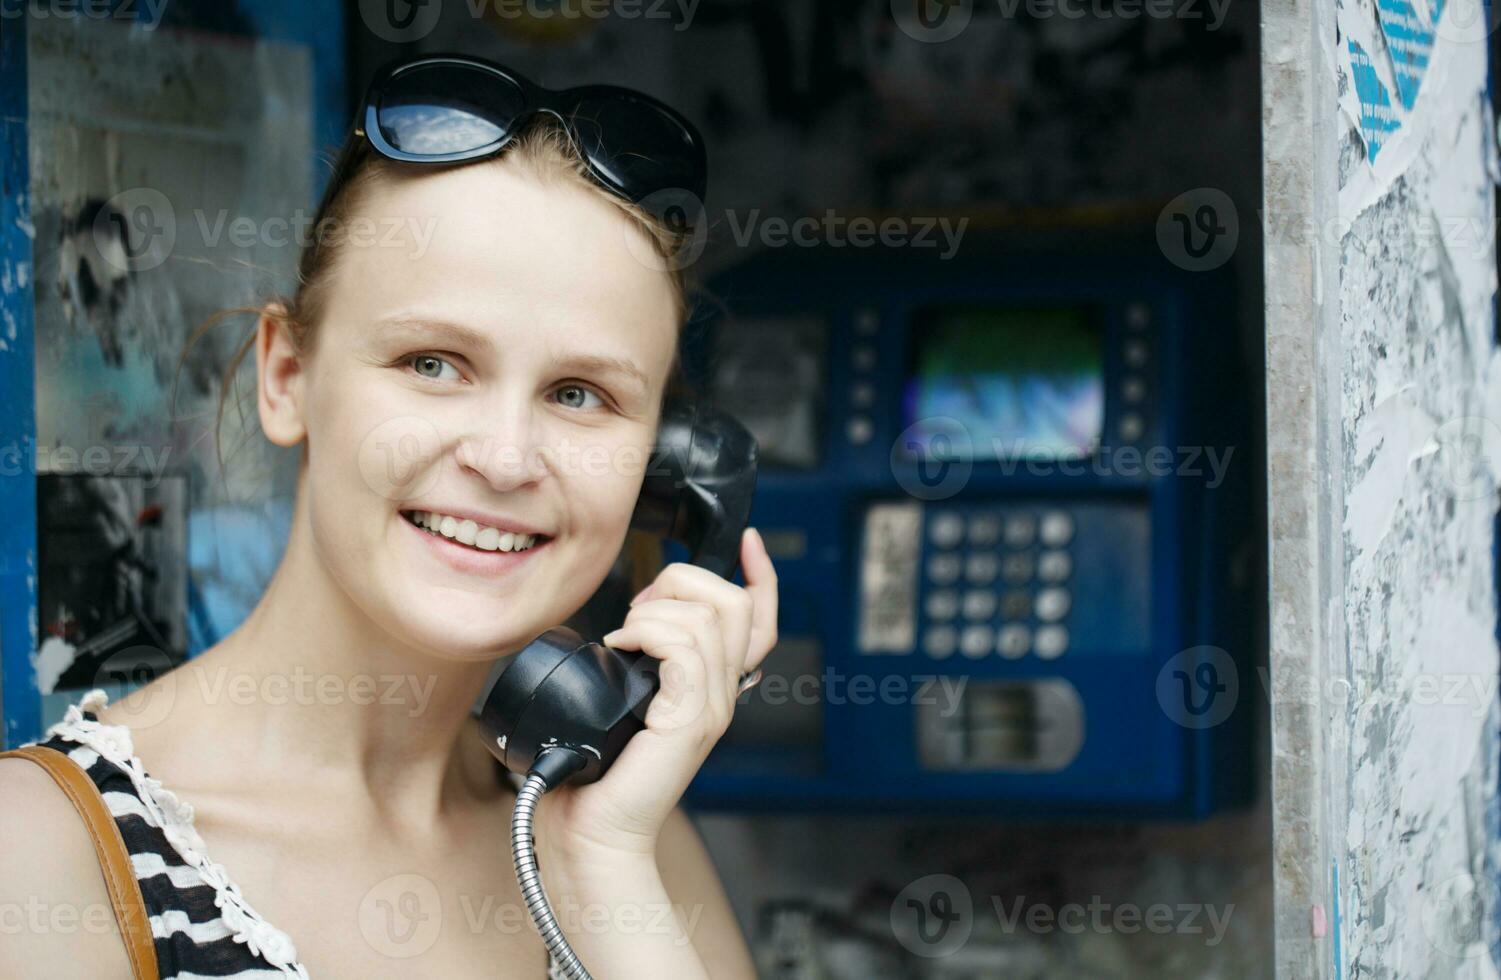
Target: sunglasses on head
{"x": 451, "y": 108}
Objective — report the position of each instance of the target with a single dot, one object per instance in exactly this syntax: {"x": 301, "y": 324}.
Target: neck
{"x": 310, "y": 689}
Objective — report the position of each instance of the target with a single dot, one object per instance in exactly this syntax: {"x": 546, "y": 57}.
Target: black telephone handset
{"x": 563, "y": 691}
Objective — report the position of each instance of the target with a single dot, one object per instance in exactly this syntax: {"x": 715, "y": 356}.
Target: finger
{"x": 761, "y": 585}
{"x": 733, "y": 604}
{"x": 685, "y": 696}
{"x": 703, "y": 622}
{"x": 649, "y": 633}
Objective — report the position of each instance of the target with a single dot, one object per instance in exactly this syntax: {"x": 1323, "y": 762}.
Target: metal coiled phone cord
{"x": 525, "y": 855}
{"x": 551, "y": 768}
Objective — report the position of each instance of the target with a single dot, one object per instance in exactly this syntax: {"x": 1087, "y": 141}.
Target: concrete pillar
{"x": 1383, "y": 452}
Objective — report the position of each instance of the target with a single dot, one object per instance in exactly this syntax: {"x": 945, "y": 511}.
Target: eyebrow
{"x": 460, "y": 335}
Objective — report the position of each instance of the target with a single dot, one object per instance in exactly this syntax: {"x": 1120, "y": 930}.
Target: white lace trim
{"x": 175, "y": 818}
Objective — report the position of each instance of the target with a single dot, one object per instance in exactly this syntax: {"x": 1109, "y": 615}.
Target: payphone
{"x": 1007, "y": 499}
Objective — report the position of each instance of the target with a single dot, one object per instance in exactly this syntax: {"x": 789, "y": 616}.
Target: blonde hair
{"x": 545, "y": 150}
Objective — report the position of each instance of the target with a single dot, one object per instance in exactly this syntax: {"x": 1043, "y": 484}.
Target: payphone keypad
{"x": 998, "y": 583}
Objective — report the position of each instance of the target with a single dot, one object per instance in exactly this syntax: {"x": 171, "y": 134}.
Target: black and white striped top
{"x": 200, "y": 923}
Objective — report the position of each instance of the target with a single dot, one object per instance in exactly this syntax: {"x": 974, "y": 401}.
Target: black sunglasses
{"x": 450, "y": 108}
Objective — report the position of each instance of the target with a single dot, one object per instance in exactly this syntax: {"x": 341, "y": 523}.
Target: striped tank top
{"x": 201, "y": 925}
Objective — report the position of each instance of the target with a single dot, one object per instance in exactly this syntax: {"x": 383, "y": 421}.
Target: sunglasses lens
{"x": 440, "y": 109}
{"x": 638, "y": 146}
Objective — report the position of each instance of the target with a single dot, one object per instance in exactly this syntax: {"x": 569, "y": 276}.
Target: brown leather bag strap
{"x": 114, "y": 859}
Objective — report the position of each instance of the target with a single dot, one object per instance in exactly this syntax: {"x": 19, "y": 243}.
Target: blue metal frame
{"x": 18, "y": 614}
{"x": 317, "y": 24}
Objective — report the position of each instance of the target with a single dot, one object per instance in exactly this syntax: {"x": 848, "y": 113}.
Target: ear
{"x": 279, "y": 373}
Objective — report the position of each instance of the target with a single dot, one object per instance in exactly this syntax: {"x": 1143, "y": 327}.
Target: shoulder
{"x": 55, "y": 913}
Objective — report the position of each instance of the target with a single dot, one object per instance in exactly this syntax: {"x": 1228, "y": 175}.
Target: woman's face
{"x": 498, "y": 360}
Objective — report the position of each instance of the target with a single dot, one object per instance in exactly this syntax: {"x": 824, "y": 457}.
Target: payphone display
{"x": 1021, "y": 382}
{"x": 1008, "y": 504}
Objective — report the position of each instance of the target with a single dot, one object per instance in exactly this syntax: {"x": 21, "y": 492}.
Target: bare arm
{"x": 696, "y": 889}
{"x": 55, "y": 914}
{"x": 648, "y": 916}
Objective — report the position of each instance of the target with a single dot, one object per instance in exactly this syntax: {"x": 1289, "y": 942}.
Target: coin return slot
{"x": 1008, "y": 726}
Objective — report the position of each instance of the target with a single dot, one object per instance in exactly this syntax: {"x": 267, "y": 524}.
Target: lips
{"x": 471, "y": 533}
{"x": 468, "y": 558}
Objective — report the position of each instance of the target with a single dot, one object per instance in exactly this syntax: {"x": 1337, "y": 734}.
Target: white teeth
{"x": 472, "y": 533}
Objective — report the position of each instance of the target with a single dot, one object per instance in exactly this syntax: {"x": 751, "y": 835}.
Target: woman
{"x": 454, "y": 393}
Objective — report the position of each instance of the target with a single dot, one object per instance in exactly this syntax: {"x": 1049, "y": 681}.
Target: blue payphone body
{"x": 1007, "y": 499}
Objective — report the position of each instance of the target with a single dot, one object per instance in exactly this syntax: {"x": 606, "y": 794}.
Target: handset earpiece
{"x": 563, "y": 691}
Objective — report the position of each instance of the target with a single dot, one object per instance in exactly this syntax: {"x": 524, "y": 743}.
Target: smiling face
{"x": 496, "y": 383}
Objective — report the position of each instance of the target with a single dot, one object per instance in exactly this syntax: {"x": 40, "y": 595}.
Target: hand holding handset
{"x": 562, "y": 690}
{"x": 565, "y": 707}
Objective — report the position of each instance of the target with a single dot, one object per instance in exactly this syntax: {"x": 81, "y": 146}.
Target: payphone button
{"x": 944, "y": 569}
{"x": 1133, "y": 389}
{"x": 942, "y": 604}
{"x": 976, "y": 641}
{"x": 1054, "y": 566}
{"x": 946, "y": 530}
{"x": 1131, "y": 427}
{"x": 1057, "y": 529}
{"x": 979, "y": 604}
{"x": 864, "y": 357}
{"x": 1053, "y": 604}
{"x": 984, "y": 529}
{"x": 1136, "y": 353}
{"x": 859, "y": 430}
{"x": 1138, "y": 316}
{"x": 1013, "y": 641}
{"x": 1016, "y": 604}
{"x": 1052, "y": 641}
{"x": 982, "y": 568}
{"x": 1017, "y": 569}
{"x": 939, "y": 642}
{"x": 863, "y": 394}
{"x": 1020, "y": 531}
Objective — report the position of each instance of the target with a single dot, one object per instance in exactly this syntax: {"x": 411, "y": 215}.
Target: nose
{"x": 500, "y": 443}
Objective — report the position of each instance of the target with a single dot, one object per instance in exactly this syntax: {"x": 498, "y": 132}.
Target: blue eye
{"x": 577, "y": 390}
{"x": 432, "y": 366}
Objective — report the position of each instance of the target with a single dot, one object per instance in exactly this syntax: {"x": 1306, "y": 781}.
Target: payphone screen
{"x": 1019, "y": 383}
